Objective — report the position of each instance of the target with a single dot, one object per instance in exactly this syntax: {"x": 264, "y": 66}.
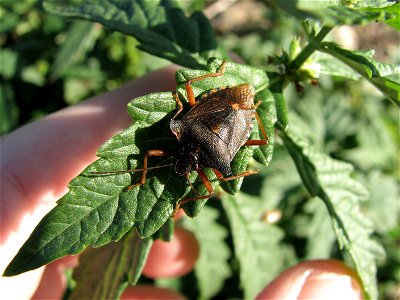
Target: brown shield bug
{"x": 212, "y": 132}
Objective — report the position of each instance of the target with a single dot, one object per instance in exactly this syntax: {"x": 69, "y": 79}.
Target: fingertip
{"x": 179, "y": 215}
{"x": 174, "y": 258}
{"x": 317, "y": 279}
{"x": 149, "y": 292}
{"x": 52, "y": 283}
{"x": 69, "y": 261}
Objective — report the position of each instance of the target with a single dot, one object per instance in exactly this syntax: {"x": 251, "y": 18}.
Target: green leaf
{"x": 330, "y": 180}
{"x": 279, "y": 180}
{"x": 9, "y": 63}
{"x": 100, "y": 208}
{"x": 377, "y": 147}
{"x": 192, "y": 209}
{"x": 394, "y": 21}
{"x": 104, "y": 272}
{"x": 383, "y": 76}
{"x": 214, "y": 252}
{"x": 97, "y": 209}
{"x": 267, "y": 113}
{"x": 383, "y": 203}
{"x": 282, "y": 121}
{"x": 80, "y": 39}
{"x": 161, "y": 27}
{"x": 92, "y": 213}
{"x": 239, "y": 165}
{"x": 9, "y": 18}
{"x": 333, "y": 67}
{"x": 33, "y": 74}
{"x": 76, "y": 90}
{"x": 345, "y": 15}
{"x": 334, "y": 12}
{"x": 166, "y": 232}
{"x": 319, "y": 229}
{"x": 326, "y": 119}
{"x": 155, "y": 204}
{"x": 9, "y": 111}
{"x": 256, "y": 244}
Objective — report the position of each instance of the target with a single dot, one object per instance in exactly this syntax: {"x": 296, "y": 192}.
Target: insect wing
{"x": 221, "y": 114}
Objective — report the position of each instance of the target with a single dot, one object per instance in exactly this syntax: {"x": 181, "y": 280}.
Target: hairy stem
{"x": 310, "y": 48}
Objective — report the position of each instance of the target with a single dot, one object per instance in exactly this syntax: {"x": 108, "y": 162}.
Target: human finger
{"x": 53, "y": 282}
{"x": 316, "y": 279}
{"x": 39, "y": 159}
{"x": 150, "y": 292}
{"x": 174, "y": 258}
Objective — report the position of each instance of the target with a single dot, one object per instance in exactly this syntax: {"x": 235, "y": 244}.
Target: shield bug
{"x": 212, "y": 132}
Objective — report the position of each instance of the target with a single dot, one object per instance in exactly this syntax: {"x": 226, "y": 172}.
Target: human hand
{"x": 38, "y": 161}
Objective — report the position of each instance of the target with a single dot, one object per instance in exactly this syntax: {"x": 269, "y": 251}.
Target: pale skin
{"x": 39, "y": 159}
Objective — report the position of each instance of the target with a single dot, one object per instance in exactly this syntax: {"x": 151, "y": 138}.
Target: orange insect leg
{"x": 206, "y": 183}
{"x": 188, "y": 85}
{"x": 142, "y": 180}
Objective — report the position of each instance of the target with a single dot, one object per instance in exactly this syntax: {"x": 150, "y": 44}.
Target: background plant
{"x": 343, "y": 135}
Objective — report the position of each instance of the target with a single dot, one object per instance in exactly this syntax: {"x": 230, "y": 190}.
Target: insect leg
{"x": 262, "y": 129}
{"x": 221, "y": 177}
{"x": 178, "y": 101}
{"x": 255, "y": 143}
{"x": 142, "y": 180}
{"x": 208, "y": 186}
{"x": 188, "y": 85}
{"x": 260, "y": 125}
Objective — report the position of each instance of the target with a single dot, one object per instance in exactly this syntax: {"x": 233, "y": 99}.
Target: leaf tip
{"x": 11, "y": 270}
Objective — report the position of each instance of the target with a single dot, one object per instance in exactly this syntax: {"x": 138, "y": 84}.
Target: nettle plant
{"x": 100, "y": 208}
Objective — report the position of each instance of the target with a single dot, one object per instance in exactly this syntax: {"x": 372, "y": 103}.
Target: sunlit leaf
{"x": 214, "y": 252}
{"x": 330, "y": 180}
{"x": 80, "y": 39}
{"x": 383, "y": 203}
{"x": 383, "y": 76}
{"x": 256, "y": 244}
{"x": 161, "y": 27}
{"x": 335, "y": 12}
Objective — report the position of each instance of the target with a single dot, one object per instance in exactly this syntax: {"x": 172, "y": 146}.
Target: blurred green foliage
{"x": 49, "y": 62}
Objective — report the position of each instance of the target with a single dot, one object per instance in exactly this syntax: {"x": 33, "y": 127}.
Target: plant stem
{"x": 310, "y": 48}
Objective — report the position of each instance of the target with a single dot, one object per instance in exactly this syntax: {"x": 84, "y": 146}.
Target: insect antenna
{"x": 131, "y": 170}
